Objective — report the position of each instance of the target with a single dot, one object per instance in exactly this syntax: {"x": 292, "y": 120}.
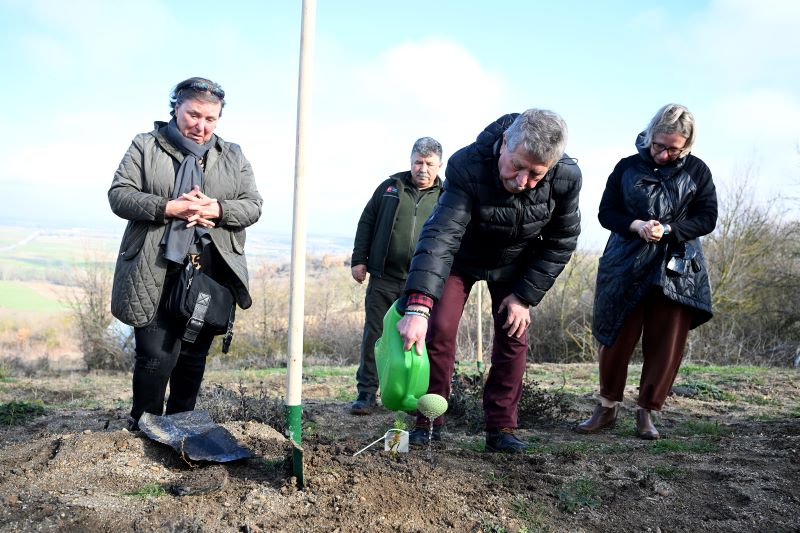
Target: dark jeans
{"x": 163, "y": 358}
{"x": 503, "y": 387}
{"x": 381, "y": 294}
{"x": 663, "y": 326}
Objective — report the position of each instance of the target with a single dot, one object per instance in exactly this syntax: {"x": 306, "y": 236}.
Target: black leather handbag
{"x": 203, "y": 304}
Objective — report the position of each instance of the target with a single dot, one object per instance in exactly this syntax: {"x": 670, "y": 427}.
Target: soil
{"x": 729, "y": 460}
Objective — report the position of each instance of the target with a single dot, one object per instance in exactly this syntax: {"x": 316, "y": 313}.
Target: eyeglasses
{"x": 202, "y": 86}
{"x": 672, "y": 151}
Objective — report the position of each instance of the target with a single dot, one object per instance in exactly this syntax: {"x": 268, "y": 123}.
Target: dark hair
{"x": 198, "y": 89}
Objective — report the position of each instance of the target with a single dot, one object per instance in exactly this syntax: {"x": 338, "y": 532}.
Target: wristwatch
{"x": 667, "y": 229}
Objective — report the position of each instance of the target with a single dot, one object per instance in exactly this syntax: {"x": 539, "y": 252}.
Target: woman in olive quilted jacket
{"x": 186, "y": 194}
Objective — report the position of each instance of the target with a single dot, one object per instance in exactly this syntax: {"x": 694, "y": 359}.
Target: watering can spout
{"x": 402, "y": 374}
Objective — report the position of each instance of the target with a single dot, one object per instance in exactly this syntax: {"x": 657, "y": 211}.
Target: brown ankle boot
{"x": 603, "y": 417}
{"x": 644, "y": 425}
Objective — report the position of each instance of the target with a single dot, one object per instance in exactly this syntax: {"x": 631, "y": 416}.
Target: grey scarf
{"x": 178, "y": 238}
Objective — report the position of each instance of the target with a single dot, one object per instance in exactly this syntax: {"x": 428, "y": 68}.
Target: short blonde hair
{"x": 672, "y": 118}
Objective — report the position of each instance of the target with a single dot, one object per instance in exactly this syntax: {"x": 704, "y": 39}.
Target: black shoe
{"x": 503, "y": 440}
{"x": 133, "y": 424}
{"x": 419, "y": 436}
{"x": 365, "y": 404}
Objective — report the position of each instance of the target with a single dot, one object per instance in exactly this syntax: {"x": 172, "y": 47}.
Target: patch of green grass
{"x": 626, "y": 427}
{"x": 153, "y": 490}
{"x": 760, "y": 399}
{"x": 531, "y": 513}
{"x": 795, "y": 411}
{"x": 576, "y": 494}
{"x": 679, "y": 446}
{"x": 566, "y": 449}
{"x": 688, "y": 370}
{"x": 310, "y": 428}
{"x": 704, "y": 390}
{"x": 18, "y": 296}
{"x": 491, "y": 527}
{"x": 328, "y": 371}
{"x": 764, "y": 417}
{"x": 495, "y": 477}
{"x": 17, "y": 413}
{"x": 475, "y": 445}
{"x": 667, "y": 471}
{"x": 248, "y": 375}
{"x": 702, "y": 427}
{"x": 618, "y": 447}
{"x": 80, "y": 403}
{"x": 343, "y": 394}
{"x": 271, "y": 463}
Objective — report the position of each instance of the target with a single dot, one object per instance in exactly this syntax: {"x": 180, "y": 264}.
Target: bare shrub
{"x": 225, "y": 405}
{"x": 560, "y": 330}
{"x": 261, "y": 332}
{"x": 537, "y": 406}
{"x": 92, "y": 312}
{"x": 334, "y": 316}
{"x": 561, "y": 325}
{"x": 465, "y": 404}
{"x": 755, "y": 279}
{"x": 467, "y": 336}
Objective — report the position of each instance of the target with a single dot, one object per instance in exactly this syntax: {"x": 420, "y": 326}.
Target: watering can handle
{"x": 416, "y": 363}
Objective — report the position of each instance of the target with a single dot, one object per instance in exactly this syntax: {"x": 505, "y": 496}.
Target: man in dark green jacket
{"x": 385, "y": 241}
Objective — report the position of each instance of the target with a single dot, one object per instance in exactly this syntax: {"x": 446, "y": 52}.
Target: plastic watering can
{"x": 403, "y": 375}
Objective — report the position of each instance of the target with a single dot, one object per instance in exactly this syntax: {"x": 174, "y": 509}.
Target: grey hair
{"x": 672, "y": 118}
{"x": 541, "y": 133}
{"x": 426, "y": 146}
{"x": 196, "y": 89}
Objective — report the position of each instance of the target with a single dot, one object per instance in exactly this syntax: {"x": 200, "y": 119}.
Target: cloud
{"x": 372, "y": 113}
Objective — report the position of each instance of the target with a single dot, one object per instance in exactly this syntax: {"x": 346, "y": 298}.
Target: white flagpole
{"x": 294, "y": 373}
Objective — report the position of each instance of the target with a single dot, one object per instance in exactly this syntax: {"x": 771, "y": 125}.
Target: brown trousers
{"x": 663, "y": 326}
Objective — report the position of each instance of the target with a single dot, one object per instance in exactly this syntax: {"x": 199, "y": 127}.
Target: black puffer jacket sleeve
{"x": 441, "y": 237}
{"x": 701, "y": 217}
{"x": 612, "y": 213}
{"x": 559, "y": 237}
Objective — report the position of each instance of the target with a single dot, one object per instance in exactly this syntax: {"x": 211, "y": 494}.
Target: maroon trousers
{"x": 663, "y": 326}
{"x": 503, "y": 387}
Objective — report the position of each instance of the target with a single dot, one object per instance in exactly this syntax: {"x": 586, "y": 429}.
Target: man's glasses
{"x": 202, "y": 86}
{"x": 673, "y": 152}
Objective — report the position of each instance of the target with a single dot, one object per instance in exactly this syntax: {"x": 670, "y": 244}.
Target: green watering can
{"x": 403, "y": 375}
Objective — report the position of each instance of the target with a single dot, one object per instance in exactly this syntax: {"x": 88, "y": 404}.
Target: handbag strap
{"x": 226, "y": 340}
{"x": 195, "y": 323}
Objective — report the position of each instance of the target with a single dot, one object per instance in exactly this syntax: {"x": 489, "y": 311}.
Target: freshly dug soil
{"x": 723, "y": 465}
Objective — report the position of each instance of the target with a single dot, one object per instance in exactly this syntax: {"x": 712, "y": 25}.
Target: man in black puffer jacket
{"x": 509, "y": 215}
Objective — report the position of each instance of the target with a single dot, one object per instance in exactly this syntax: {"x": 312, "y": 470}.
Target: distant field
{"x": 19, "y": 296}
{"x": 28, "y": 254}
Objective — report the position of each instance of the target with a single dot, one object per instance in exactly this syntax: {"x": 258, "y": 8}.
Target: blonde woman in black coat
{"x": 652, "y": 281}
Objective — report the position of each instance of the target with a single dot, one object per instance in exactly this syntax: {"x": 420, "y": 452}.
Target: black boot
{"x": 419, "y": 436}
{"x": 503, "y": 440}
{"x": 365, "y": 404}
